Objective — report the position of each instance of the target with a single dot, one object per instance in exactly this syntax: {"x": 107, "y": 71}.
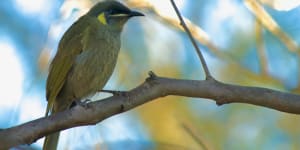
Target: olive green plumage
{"x": 85, "y": 59}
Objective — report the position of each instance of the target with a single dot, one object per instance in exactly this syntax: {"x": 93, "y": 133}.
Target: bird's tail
{"x": 51, "y": 141}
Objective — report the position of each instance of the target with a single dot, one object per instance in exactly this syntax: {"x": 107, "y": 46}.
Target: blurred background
{"x": 245, "y": 42}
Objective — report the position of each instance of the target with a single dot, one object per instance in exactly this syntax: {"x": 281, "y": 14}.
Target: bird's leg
{"x": 116, "y": 93}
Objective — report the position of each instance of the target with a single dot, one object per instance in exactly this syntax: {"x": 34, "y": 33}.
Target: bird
{"x": 85, "y": 59}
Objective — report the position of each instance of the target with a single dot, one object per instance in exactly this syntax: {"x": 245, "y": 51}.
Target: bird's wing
{"x": 69, "y": 47}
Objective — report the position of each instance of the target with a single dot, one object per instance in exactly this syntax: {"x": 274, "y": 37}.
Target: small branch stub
{"x": 152, "y": 75}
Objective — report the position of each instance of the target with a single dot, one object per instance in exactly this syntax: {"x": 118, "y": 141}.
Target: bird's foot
{"x": 116, "y": 93}
{"x": 84, "y": 103}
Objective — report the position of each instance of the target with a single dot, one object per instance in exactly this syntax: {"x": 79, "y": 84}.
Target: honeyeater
{"x": 85, "y": 59}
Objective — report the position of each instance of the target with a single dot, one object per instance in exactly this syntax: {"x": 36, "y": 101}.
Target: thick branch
{"x": 153, "y": 88}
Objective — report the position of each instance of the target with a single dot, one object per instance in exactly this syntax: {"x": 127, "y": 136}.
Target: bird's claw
{"x": 84, "y": 103}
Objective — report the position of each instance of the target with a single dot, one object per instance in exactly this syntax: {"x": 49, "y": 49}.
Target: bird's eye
{"x": 116, "y": 11}
{"x": 112, "y": 12}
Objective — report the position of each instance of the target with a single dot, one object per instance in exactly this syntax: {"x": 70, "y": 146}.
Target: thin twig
{"x": 205, "y": 39}
{"x": 182, "y": 23}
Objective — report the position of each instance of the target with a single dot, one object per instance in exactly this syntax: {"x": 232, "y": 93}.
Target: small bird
{"x": 85, "y": 59}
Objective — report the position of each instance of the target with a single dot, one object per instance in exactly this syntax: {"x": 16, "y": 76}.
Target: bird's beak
{"x": 135, "y": 13}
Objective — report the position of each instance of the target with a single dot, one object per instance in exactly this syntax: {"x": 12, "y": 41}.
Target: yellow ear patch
{"x": 101, "y": 17}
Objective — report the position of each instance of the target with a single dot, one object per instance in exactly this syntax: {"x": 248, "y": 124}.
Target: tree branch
{"x": 154, "y": 87}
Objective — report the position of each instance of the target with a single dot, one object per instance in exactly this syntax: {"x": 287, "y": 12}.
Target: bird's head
{"x": 112, "y": 13}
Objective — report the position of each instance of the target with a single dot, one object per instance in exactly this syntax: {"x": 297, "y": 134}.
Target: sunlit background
{"x": 248, "y": 42}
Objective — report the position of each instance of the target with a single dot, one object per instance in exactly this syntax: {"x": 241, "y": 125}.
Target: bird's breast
{"x": 94, "y": 66}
